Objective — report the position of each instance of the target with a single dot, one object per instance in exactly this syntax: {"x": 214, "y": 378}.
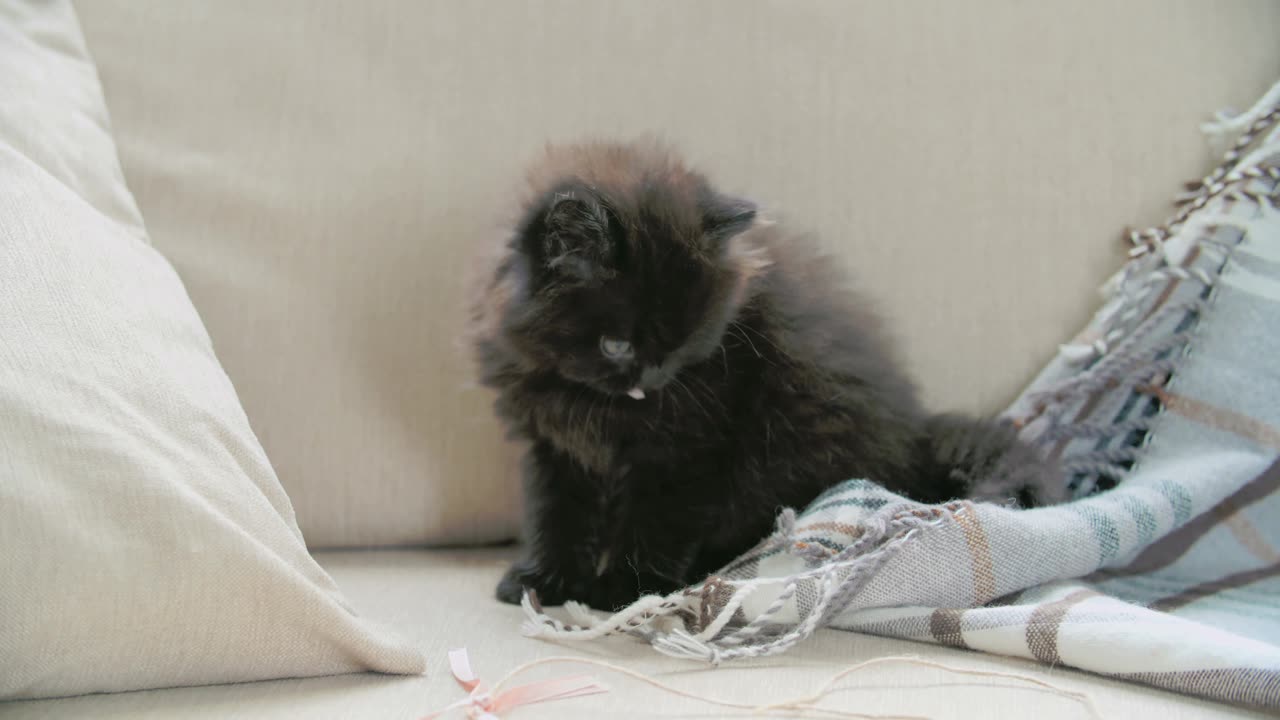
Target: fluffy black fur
{"x": 766, "y": 381}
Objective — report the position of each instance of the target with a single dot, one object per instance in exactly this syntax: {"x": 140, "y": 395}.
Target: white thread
{"x": 641, "y": 612}
{"x": 730, "y": 609}
{"x": 580, "y": 614}
{"x": 809, "y": 704}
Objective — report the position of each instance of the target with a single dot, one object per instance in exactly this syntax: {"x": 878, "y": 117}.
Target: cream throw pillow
{"x": 144, "y": 539}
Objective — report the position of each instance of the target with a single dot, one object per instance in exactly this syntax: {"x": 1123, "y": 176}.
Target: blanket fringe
{"x": 1115, "y": 353}
{"x": 835, "y": 581}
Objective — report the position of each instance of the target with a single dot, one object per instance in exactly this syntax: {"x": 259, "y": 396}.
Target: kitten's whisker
{"x": 694, "y": 398}
{"x": 747, "y": 339}
{"x": 573, "y": 408}
{"x": 591, "y": 407}
{"x": 709, "y": 391}
{"x": 765, "y": 338}
{"x": 706, "y": 392}
{"x": 742, "y": 334}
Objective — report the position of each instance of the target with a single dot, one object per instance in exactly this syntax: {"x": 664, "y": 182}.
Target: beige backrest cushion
{"x": 320, "y": 171}
{"x": 144, "y": 539}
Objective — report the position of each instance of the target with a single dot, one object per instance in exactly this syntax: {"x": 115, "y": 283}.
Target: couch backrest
{"x": 320, "y": 172}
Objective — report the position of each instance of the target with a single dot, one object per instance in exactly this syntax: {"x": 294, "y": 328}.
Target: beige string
{"x": 809, "y": 704}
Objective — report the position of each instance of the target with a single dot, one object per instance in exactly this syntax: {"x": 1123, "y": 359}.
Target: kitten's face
{"x": 621, "y": 289}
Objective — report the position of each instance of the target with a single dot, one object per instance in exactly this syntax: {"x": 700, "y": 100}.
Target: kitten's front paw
{"x": 549, "y": 585}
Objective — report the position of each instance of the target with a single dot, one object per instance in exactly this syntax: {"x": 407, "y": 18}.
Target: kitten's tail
{"x": 983, "y": 459}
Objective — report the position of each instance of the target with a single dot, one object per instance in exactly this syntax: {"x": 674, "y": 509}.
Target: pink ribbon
{"x": 480, "y": 704}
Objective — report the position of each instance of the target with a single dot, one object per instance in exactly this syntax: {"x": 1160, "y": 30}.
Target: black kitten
{"x": 682, "y": 369}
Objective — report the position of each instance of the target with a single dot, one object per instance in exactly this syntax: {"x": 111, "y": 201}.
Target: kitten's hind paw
{"x": 982, "y": 459}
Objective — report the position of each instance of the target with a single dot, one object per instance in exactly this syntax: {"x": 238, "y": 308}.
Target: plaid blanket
{"x": 1165, "y": 414}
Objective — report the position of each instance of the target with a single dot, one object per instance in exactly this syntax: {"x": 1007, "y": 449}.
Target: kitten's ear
{"x": 576, "y": 235}
{"x": 724, "y": 216}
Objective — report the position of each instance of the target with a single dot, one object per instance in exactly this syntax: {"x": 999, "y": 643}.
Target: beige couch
{"x": 320, "y": 173}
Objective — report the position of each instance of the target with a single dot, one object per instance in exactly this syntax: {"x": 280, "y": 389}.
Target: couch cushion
{"x": 441, "y": 599}
{"x": 144, "y": 539}
{"x": 319, "y": 171}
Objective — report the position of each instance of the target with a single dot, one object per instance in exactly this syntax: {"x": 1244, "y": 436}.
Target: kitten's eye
{"x": 614, "y": 348}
